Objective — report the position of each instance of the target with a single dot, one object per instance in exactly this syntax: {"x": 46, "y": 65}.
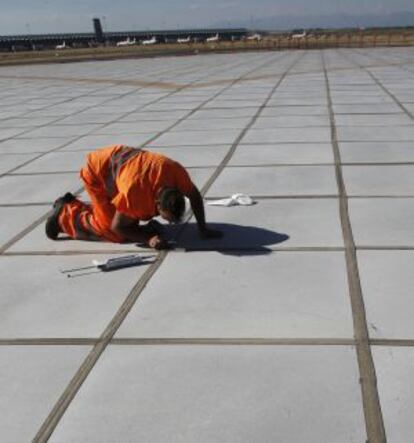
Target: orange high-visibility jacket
{"x": 133, "y": 181}
{"x": 123, "y": 179}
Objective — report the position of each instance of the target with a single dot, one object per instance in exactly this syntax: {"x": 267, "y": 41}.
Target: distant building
{"x": 98, "y": 30}
{"x": 49, "y": 41}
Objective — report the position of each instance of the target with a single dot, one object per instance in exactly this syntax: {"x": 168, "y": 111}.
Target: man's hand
{"x": 197, "y": 206}
{"x": 207, "y": 233}
{"x": 130, "y": 230}
{"x": 157, "y": 242}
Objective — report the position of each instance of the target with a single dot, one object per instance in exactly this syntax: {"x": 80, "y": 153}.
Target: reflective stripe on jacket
{"x": 116, "y": 162}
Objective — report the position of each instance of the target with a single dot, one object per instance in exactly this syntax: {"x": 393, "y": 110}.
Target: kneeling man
{"x": 127, "y": 185}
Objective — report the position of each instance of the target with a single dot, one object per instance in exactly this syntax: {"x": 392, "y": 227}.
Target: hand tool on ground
{"x": 110, "y": 264}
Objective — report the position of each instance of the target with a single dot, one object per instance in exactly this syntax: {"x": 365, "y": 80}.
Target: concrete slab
{"x": 388, "y": 180}
{"x": 373, "y": 120}
{"x": 282, "y": 153}
{"x": 361, "y": 133}
{"x": 169, "y": 106}
{"x": 394, "y": 368}
{"x": 271, "y": 224}
{"x": 14, "y": 219}
{"x": 10, "y": 161}
{"x": 212, "y": 124}
{"x": 61, "y": 131}
{"x": 229, "y": 104}
{"x": 195, "y": 138}
{"x": 36, "y": 188}
{"x": 135, "y": 127}
{"x": 26, "y": 122}
{"x": 363, "y": 108}
{"x": 364, "y": 92}
{"x": 9, "y": 114}
{"x": 284, "y": 135}
{"x": 366, "y": 99}
{"x": 36, "y": 241}
{"x": 382, "y": 221}
{"x": 65, "y": 307}
{"x": 291, "y": 121}
{"x": 206, "y": 114}
{"x": 141, "y": 116}
{"x": 199, "y": 176}
{"x": 298, "y": 110}
{"x": 236, "y": 393}
{"x": 387, "y": 279}
{"x": 220, "y": 303}
{"x": 114, "y": 108}
{"x": 35, "y": 145}
{"x": 57, "y": 112}
{"x": 300, "y": 101}
{"x": 275, "y": 181}
{"x": 6, "y": 133}
{"x": 280, "y": 265}
{"x": 376, "y": 152}
{"x": 243, "y": 93}
{"x": 32, "y": 380}
{"x": 195, "y": 155}
{"x": 95, "y": 141}
{"x": 56, "y": 162}
{"x": 90, "y": 117}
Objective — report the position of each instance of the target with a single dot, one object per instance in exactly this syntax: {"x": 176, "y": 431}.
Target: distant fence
{"x": 335, "y": 40}
{"x": 74, "y": 51}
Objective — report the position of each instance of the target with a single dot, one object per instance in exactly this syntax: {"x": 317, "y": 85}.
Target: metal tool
{"x": 110, "y": 264}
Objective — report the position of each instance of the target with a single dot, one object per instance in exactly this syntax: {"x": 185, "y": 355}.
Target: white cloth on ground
{"x": 234, "y": 200}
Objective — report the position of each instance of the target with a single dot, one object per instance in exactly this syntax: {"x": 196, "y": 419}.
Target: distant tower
{"x": 98, "y": 30}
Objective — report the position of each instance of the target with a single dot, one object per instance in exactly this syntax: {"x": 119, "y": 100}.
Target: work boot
{"x": 52, "y": 222}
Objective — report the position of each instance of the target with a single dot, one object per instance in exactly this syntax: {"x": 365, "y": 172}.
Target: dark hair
{"x": 172, "y": 200}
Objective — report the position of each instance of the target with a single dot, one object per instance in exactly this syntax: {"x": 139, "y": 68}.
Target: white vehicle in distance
{"x": 62, "y": 46}
{"x": 256, "y": 37}
{"x": 127, "y": 42}
{"x": 215, "y": 38}
{"x": 299, "y": 36}
{"x": 151, "y": 41}
{"x": 184, "y": 40}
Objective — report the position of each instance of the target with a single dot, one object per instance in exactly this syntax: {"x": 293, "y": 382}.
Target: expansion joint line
{"x": 62, "y": 404}
{"x": 41, "y": 219}
{"x": 370, "y": 398}
{"x": 208, "y": 341}
{"x": 378, "y": 82}
{"x": 170, "y": 85}
{"x": 42, "y": 154}
{"x": 400, "y": 65}
{"x": 214, "y": 96}
{"x": 29, "y": 228}
{"x": 236, "y": 143}
{"x": 103, "y": 125}
{"x": 57, "y": 120}
{"x": 71, "y": 390}
{"x": 389, "y": 93}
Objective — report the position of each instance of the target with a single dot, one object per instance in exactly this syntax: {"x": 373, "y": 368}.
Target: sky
{"x": 48, "y": 16}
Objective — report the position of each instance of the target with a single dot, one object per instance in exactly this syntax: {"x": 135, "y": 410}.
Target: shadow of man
{"x": 236, "y": 240}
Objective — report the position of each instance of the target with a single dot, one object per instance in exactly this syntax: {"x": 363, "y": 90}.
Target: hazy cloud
{"x": 228, "y": 5}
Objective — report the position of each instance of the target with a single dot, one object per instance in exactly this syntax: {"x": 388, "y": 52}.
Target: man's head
{"x": 171, "y": 204}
